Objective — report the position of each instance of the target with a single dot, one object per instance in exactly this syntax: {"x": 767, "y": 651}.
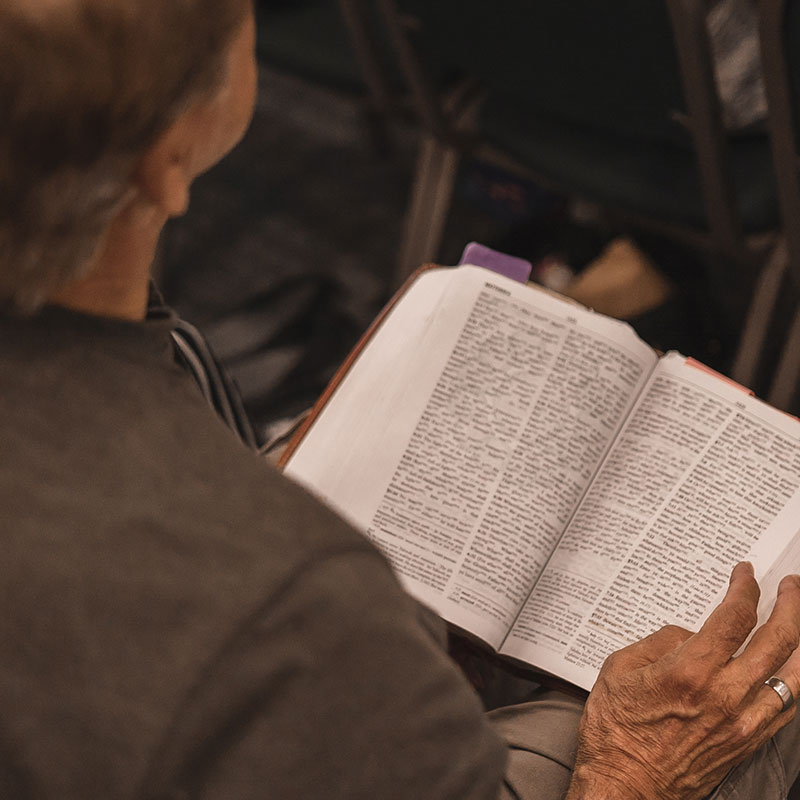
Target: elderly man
{"x": 178, "y": 620}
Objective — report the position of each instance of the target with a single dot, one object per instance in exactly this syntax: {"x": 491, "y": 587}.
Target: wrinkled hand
{"x": 670, "y": 715}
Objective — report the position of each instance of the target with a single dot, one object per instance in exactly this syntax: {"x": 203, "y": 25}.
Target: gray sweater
{"x": 180, "y": 621}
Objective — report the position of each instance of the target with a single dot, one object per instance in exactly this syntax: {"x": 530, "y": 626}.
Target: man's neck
{"x": 117, "y": 286}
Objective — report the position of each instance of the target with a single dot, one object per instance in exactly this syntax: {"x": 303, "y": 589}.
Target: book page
{"x": 776, "y": 554}
{"x": 698, "y": 475}
{"x": 467, "y": 431}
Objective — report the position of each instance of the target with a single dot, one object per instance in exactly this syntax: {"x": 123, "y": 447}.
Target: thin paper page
{"x": 349, "y": 455}
{"x": 693, "y": 483}
{"x": 776, "y": 554}
{"x": 470, "y": 456}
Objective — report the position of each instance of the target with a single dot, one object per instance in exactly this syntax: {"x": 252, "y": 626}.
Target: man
{"x": 178, "y": 620}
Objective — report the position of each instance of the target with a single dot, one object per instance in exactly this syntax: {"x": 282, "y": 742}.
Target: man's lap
{"x": 542, "y": 738}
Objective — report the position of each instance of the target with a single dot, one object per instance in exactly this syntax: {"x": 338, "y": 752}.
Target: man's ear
{"x": 164, "y": 175}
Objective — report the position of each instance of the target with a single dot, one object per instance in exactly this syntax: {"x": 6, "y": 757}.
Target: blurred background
{"x": 627, "y": 150}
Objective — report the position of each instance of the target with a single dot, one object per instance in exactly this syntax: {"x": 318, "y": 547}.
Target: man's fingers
{"x": 767, "y": 702}
{"x": 775, "y": 641}
{"x": 724, "y": 632}
{"x": 766, "y": 715}
{"x": 772, "y": 652}
{"x": 779, "y": 719}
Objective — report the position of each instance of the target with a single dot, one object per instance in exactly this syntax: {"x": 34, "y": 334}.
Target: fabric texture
{"x": 180, "y": 620}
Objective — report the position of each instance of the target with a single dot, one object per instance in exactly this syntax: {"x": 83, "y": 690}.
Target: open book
{"x": 542, "y": 479}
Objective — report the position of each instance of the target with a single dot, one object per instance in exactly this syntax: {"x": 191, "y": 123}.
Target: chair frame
{"x": 704, "y": 120}
{"x": 782, "y": 123}
{"x": 379, "y": 88}
{"x": 782, "y": 274}
{"x": 448, "y": 136}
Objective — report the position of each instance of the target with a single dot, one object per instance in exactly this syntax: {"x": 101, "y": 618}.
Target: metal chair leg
{"x": 437, "y": 167}
{"x": 449, "y": 159}
{"x": 784, "y": 384}
{"x": 759, "y": 316}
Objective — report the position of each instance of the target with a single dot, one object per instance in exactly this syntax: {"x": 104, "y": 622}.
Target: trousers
{"x": 542, "y": 739}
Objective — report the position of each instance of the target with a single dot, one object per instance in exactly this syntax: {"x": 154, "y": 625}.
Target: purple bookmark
{"x": 479, "y": 255}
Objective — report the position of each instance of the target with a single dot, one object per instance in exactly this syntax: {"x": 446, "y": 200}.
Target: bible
{"x": 543, "y": 479}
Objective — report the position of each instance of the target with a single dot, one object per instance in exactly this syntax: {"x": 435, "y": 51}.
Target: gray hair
{"x": 86, "y": 86}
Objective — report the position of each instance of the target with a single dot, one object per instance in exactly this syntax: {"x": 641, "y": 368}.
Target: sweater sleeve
{"x": 336, "y": 688}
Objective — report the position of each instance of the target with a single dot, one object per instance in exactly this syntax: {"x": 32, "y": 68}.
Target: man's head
{"x": 88, "y": 88}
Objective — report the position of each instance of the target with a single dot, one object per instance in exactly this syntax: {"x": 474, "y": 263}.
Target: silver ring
{"x": 784, "y": 692}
